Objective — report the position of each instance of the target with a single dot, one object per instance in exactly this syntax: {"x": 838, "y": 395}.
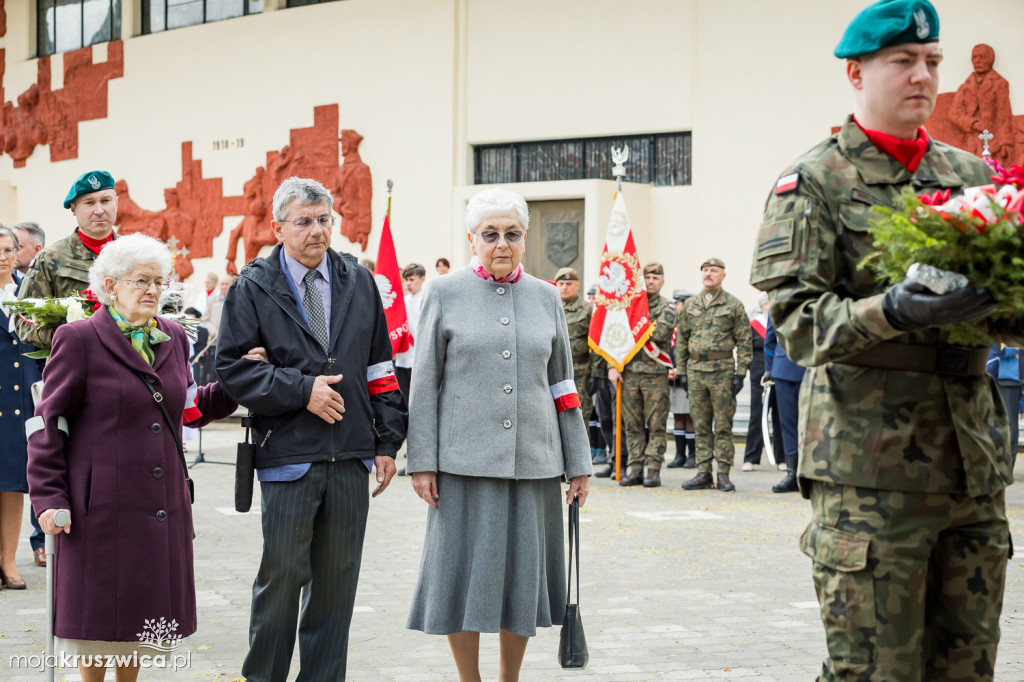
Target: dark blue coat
{"x": 776, "y": 361}
{"x": 17, "y": 374}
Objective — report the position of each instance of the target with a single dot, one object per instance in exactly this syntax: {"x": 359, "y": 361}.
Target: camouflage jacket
{"x": 577, "y": 316}
{"x": 663, "y": 315}
{"x": 862, "y": 426}
{"x": 718, "y": 325}
{"x": 59, "y": 270}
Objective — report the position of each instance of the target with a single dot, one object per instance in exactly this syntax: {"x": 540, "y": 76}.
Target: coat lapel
{"x": 342, "y": 288}
{"x": 119, "y": 346}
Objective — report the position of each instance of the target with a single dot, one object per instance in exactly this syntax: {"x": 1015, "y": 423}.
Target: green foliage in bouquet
{"x": 989, "y": 255}
{"x": 52, "y": 313}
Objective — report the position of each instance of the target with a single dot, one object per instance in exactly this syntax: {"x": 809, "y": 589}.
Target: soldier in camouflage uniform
{"x": 645, "y": 389}
{"x": 577, "y": 315}
{"x": 712, "y": 325}
{"x": 904, "y": 451}
{"x": 63, "y": 267}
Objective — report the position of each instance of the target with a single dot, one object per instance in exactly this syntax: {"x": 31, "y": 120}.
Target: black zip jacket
{"x": 260, "y": 310}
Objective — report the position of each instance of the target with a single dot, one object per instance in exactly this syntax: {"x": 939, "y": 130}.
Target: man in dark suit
{"x": 326, "y": 408}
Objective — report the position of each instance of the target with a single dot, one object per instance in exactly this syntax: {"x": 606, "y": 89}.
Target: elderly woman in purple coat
{"x": 100, "y": 447}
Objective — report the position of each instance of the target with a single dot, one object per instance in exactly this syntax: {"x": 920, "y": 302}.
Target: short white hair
{"x": 123, "y": 255}
{"x": 309, "y": 192}
{"x": 495, "y": 201}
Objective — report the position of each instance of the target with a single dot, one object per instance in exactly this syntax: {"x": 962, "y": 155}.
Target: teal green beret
{"x": 93, "y": 181}
{"x": 887, "y": 23}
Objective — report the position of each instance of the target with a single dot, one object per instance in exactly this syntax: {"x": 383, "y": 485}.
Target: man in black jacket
{"x": 326, "y": 408}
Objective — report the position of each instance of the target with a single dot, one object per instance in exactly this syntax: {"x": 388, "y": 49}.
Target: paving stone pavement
{"x": 675, "y": 586}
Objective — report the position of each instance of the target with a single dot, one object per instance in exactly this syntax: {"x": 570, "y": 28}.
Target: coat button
{"x": 506, "y": 354}
{"x": 149, "y": 379}
{"x": 161, "y": 515}
{"x": 504, "y": 320}
{"x": 16, "y": 387}
{"x": 155, "y": 428}
{"x": 501, "y": 291}
{"x": 17, "y": 412}
{"x": 507, "y": 424}
{"x": 158, "y": 472}
{"x": 17, "y": 365}
{"x": 507, "y": 388}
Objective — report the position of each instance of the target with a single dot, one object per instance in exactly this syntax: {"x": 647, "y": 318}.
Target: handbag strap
{"x": 159, "y": 400}
{"x": 574, "y": 534}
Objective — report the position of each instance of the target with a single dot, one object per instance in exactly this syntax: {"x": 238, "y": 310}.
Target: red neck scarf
{"x": 907, "y": 152}
{"x": 94, "y": 245}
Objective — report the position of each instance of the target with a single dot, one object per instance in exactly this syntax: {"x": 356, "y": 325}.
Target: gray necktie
{"x": 314, "y": 305}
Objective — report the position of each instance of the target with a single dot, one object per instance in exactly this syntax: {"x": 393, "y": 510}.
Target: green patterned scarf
{"x": 142, "y": 338}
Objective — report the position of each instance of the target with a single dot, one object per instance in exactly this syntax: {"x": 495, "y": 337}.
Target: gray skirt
{"x": 493, "y": 557}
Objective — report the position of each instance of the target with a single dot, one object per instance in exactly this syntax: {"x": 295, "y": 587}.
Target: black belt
{"x": 715, "y": 355}
{"x": 960, "y": 361}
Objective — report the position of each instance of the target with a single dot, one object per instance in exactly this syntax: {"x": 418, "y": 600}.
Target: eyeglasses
{"x": 144, "y": 284}
{"x": 492, "y": 236}
{"x": 8, "y": 252}
{"x": 305, "y": 222}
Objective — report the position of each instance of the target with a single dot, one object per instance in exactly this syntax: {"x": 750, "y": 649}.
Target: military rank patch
{"x": 776, "y": 239}
{"x": 787, "y": 183}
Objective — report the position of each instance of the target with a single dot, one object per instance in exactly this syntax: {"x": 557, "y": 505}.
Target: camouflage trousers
{"x": 645, "y": 403}
{"x": 910, "y": 584}
{"x": 586, "y": 400}
{"x": 712, "y": 406}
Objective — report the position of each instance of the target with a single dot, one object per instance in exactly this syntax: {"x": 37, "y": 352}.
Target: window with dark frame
{"x": 165, "y": 15}
{"x": 303, "y": 3}
{"x": 65, "y": 25}
{"x": 662, "y": 160}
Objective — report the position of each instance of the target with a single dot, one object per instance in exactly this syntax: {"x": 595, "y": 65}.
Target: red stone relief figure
{"x": 3, "y": 20}
{"x": 254, "y": 231}
{"x": 132, "y": 218}
{"x": 45, "y": 116}
{"x": 182, "y": 226}
{"x": 354, "y": 191}
{"x": 981, "y": 103}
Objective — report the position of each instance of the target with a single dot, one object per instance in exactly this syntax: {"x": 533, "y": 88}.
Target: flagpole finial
{"x": 619, "y": 156}
{"x": 390, "y": 185}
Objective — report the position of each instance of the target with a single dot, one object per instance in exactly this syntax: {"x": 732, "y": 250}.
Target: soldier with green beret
{"x": 62, "y": 268}
{"x": 904, "y": 451}
{"x": 645, "y": 389}
{"x": 577, "y": 316}
{"x": 713, "y": 325}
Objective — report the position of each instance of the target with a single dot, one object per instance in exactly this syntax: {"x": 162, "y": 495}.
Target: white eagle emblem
{"x": 614, "y": 281}
{"x": 93, "y": 182}
{"x": 387, "y": 296}
{"x": 921, "y": 19}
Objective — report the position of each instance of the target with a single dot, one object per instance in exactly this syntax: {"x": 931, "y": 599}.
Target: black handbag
{"x": 572, "y": 644}
{"x": 244, "y": 469}
{"x": 175, "y": 433}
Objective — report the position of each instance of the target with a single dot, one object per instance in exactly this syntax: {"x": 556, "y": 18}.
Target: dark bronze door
{"x": 555, "y": 238}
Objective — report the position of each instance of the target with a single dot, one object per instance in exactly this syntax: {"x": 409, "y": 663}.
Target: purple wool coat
{"x": 128, "y": 556}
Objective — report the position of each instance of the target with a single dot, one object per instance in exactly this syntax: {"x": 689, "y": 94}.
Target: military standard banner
{"x": 621, "y": 323}
{"x": 389, "y": 283}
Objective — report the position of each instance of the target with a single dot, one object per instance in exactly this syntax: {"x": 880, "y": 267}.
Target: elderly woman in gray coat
{"x": 494, "y": 426}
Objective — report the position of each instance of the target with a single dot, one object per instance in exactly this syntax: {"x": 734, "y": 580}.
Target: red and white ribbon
{"x": 380, "y": 378}
{"x": 565, "y": 396}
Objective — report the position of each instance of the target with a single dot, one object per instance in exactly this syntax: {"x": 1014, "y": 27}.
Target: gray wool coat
{"x": 489, "y": 358}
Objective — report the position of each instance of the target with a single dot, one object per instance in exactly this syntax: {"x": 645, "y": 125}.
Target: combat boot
{"x": 788, "y": 484}
{"x": 653, "y": 478}
{"x": 724, "y": 484}
{"x": 691, "y": 458}
{"x": 635, "y": 477}
{"x": 702, "y": 481}
{"x": 607, "y": 472}
{"x": 680, "y": 459}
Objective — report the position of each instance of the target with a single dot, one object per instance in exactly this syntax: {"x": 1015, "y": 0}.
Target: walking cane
{"x": 60, "y": 519}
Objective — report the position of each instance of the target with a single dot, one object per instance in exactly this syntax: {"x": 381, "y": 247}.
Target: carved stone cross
{"x": 985, "y": 137}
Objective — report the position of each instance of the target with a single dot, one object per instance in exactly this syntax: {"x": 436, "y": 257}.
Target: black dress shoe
{"x": 635, "y": 477}
{"x": 724, "y": 484}
{"x": 607, "y": 472}
{"x": 679, "y": 461}
{"x": 653, "y": 479}
{"x": 691, "y": 462}
{"x": 702, "y": 481}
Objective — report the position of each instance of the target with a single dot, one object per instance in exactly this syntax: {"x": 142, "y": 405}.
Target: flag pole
{"x": 390, "y": 185}
{"x": 619, "y": 171}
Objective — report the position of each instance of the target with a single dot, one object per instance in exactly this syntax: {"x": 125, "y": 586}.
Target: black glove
{"x": 683, "y": 383}
{"x": 592, "y": 385}
{"x": 910, "y": 305}
{"x": 737, "y": 385}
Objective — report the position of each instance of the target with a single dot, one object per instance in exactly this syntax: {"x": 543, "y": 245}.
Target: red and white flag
{"x": 621, "y": 324}
{"x": 389, "y": 283}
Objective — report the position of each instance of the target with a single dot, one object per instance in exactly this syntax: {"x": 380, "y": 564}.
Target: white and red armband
{"x": 380, "y": 378}
{"x": 565, "y": 396}
{"x": 192, "y": 412}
